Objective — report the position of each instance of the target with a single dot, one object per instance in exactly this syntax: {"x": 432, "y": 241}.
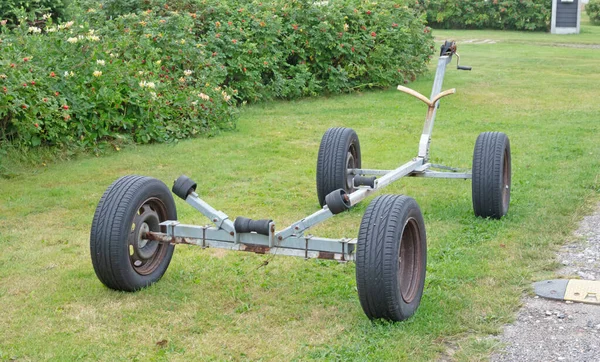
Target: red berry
{"x": 24, "y": 106}
{"x": 32, "y": 83}
{"x": 56, "y": 94}
{"x": 373, "y": 34}
{"x": 52, "y": 74}
{"x": 65, "y": 107}
{"x": 36, "y": 125}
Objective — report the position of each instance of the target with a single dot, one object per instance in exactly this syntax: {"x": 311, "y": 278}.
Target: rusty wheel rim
{"x": 349, "y": 176}
{"x": 505, "y": 181}
{"x": 410, "y": 260}
{"x": 146, "y": 255}
{"x": 350, "y": 164}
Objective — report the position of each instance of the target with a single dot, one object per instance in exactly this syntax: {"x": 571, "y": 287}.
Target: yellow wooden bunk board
{"x": 576, "y": 290}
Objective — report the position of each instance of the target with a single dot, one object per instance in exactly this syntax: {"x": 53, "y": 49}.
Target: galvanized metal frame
{"x": 292, "y": 239}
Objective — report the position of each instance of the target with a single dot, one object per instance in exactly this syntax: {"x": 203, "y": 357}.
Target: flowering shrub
{"x": 593, "y": 10}
{"x": 287, "y": 49}
{"x": 137, "y": 76}
{"x": 177, "y": 68}
{"x": 488, "y": 14}
{"x": 11, "y": 10}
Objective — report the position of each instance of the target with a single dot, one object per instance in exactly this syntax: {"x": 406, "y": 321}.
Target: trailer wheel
{"x": 491, "y": 175}
{"x": 391, "y": 257}
{"x": 122, "y": 258}
{"x": 338, "y": 152}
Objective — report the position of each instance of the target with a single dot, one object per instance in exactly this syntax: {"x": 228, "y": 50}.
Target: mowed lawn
{"x": 541, "y": 90}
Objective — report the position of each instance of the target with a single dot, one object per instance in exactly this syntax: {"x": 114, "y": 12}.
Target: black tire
{"x": 339, "y": 151}
{"x": 122, "y": 260}
{"x": 491, "y": 175}
{"x": 391, "y": 258}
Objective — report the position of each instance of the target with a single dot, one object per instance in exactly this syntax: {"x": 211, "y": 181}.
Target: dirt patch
{"x": 218, "y": 253}
{"x": 571, "y": 45}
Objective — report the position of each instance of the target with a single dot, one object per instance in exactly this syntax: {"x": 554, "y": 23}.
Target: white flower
{"x": 203, "y": 96}
{"x": 346, "y": 27}
{"x": 182, "y": 80}
{"x": 158, "y": 62}
{"x": 112, "y": 55}
{"x": 144, "y": 84}
{"x": 51, "y": 30}
{"x": 33, "y": 29}
{"x": 3, "y": 76}
{"x": 226, "y": 97}
{"x": 100, "y": 62}
{"x": 153, "y": 94}
{"x": 93, "y": 37}
{"x": 97, "y": 73}
{"x": 194, "y": 103}
{"x": 69, "y": 74}
{"x": 72, "y": 40}
{"x": 46, "y": 16}
{"x": 141, "y": 72}
{"x": 187, "y": 72}
{"x": 69, "y": 24}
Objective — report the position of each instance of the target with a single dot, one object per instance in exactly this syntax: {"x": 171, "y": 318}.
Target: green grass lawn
{"x": 218, "y": 305}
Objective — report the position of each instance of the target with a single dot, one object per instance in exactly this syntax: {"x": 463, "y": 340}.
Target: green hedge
{"x": 593, "y": 10}
{"x": 12, "y": 10}
{"x": 177, "y": 69}
{"x": 81, "y": 85}
{"x": 488, "y": 14}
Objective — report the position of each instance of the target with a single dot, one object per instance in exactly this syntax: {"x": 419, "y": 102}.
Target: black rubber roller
{"x": 183, "y": 186}
{"x": 338, "y": 201}
{"x": 245, "y": 225}
{"x": 365, "y": 181}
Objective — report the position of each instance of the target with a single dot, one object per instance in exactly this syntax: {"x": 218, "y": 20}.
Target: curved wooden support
{"x": 415, "y": 94}
{"x": 426, "y": 100}
{"x": 443, "y": 94}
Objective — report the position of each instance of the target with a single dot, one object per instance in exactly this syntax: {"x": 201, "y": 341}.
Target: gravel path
{"x": 549, "y": 330}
